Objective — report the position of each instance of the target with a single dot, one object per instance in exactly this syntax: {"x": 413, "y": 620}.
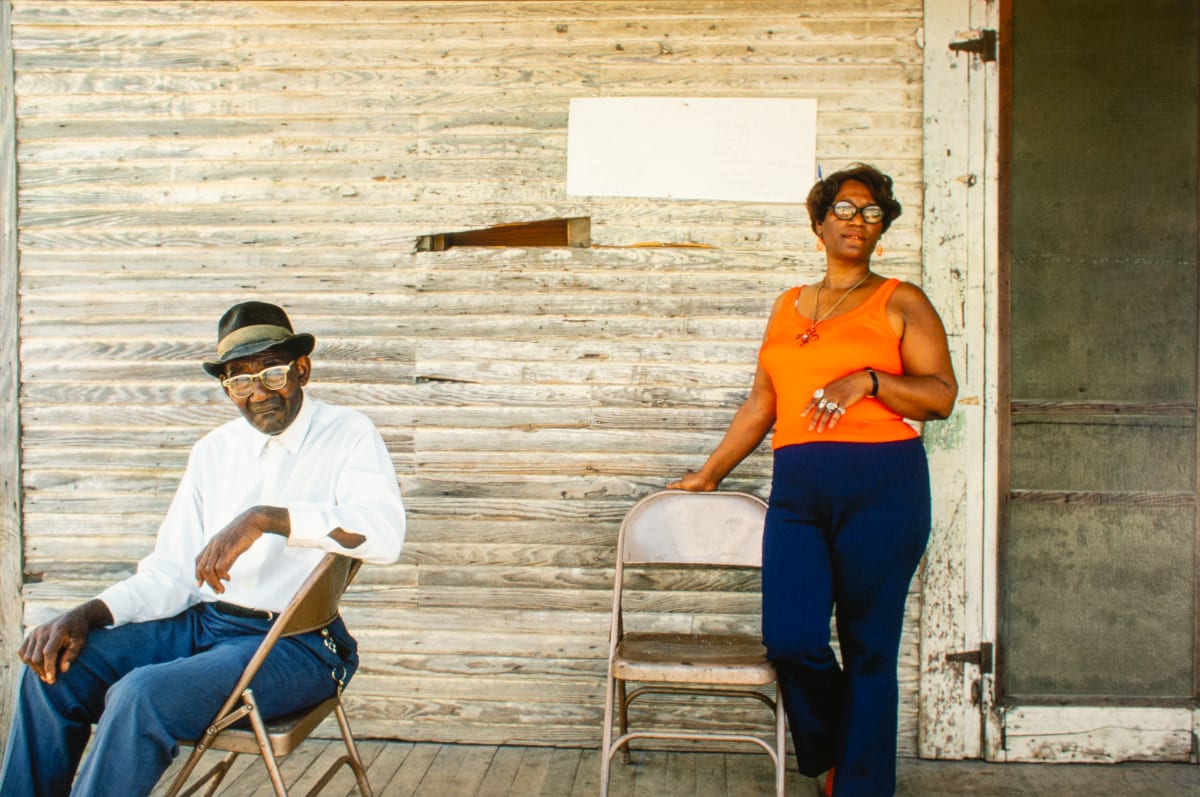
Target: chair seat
{"x": 722, "y": 659}
{"x": 285, "y": 733}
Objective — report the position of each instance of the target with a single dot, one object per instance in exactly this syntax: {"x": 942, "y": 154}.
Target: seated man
{"x": 151, "y": 659}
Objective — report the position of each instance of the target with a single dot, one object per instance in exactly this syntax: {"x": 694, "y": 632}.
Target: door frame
{"x": 959, "y": 275}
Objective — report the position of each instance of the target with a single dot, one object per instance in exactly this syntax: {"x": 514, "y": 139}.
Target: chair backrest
{"x": 316, "y": 602}
{"x": 315, "y": 605}
{"x": 678, "y": 527}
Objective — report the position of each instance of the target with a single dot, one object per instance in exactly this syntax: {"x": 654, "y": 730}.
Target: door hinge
{"x": 981, "y": 43}
{"x": 981, "y": 658}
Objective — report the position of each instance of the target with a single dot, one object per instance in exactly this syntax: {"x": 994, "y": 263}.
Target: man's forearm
{"x": 277, "y": 520}
{"x": 273, "y": 520}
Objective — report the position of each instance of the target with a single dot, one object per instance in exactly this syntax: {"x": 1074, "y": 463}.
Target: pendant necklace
{"x": 811, "y": 336}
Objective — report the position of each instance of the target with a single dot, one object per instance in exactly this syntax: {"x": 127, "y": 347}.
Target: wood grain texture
{"x": 958, "y": 282}
{"x": 177, "y": 157}
{"x": 403, "y": 768}
{"x": 10, "y": 420}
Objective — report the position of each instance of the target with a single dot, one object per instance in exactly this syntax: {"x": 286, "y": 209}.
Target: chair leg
{"x": 607, "y": 735}
{"x": 623, "y": 713}
{"x": 213, "y": 776}
{"x": 355, "y": 760}
{"x": 264, "y": 746}
{"x": 350, "y": 759}
{"x": 780, "y": 742}
{"x": 188, "y": 765}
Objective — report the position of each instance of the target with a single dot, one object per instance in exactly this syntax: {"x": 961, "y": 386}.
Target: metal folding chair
{"x": 688, "y": 529}
{"x": 314, "y": 606}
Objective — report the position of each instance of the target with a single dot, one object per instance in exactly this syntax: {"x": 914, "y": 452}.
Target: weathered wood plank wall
{"x": 177, "y": 157}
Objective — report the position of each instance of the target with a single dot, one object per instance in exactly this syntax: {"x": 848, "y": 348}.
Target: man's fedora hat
{"x": 252, "y": 327}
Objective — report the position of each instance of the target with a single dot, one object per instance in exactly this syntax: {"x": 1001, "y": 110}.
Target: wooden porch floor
{"x": 404, "y": 769}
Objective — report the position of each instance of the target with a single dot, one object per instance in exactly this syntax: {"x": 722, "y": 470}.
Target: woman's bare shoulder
{"x": 908, "y": 296}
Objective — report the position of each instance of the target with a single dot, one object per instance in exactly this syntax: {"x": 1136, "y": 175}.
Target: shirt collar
{"x": 293, "y": 436}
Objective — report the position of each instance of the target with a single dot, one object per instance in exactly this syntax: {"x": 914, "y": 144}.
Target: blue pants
{"x": 846, "y": 528}
{"x": 145, "y": 685}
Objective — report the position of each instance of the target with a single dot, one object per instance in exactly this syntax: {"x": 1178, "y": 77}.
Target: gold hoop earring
{"x": 820, "y": 244}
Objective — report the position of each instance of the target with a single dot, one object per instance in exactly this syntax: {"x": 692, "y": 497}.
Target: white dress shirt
{"x": 329, "y": 469}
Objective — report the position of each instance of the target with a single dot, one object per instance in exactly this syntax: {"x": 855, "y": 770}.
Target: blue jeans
{"x": 145, "y": 685}
{"x": 846, "y": 528}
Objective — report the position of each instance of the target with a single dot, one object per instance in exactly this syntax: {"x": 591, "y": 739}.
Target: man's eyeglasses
{"x": 846, "y": 210}
{"x": 273, "y": 378}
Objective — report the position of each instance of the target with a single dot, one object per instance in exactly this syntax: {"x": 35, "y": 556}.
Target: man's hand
{"x": 214, "y": 562}
{"x": 51, "y": 648}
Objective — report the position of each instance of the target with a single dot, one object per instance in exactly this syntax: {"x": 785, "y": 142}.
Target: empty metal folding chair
{"x": 688, "y": 530}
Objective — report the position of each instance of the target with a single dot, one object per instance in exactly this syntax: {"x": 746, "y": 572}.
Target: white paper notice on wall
{"x": 744, "y": 150}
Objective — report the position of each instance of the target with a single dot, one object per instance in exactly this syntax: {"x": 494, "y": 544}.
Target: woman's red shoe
{"x": 828, "y": 792}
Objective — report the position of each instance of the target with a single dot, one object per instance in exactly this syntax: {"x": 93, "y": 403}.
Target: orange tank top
{"x": 861, "y": 338}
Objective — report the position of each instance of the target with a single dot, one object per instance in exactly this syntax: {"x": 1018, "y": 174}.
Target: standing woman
{"x": 843, "y": 363}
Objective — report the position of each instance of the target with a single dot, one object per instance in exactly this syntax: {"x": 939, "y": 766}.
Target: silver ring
{"x": 822, "y": 404}
{"x": 818, "y": 392}
{"x": 841, "y": 411}
{"x": 832, "y": 407}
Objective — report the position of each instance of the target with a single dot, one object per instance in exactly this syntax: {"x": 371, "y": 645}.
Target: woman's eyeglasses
{"x": 273, "y": 378}
{"x": 846, "y": 210}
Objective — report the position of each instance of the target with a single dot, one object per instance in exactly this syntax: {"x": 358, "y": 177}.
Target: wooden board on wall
{"x": 10, "y": 424}
{"x": 178, "y": 157}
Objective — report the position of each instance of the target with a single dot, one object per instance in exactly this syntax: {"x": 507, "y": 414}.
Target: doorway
{"x": 1098, "y": 553}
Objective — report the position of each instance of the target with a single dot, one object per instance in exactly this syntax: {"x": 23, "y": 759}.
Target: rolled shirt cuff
{"x": 121, "y": 603}
{"x": 310, "y": 526}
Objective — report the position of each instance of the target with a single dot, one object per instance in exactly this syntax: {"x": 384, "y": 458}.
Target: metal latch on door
{"x": 980, "y": 43}
{"x": 982, "y": 658}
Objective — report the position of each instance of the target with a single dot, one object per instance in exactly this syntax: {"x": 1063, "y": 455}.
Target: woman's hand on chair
{"x": 693, "y": 482}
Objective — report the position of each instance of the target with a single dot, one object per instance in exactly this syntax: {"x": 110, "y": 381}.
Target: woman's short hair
{"x": 822, "y": 193}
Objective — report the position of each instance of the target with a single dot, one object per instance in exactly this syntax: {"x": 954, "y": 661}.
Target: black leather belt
{"x": 241, "y": 611}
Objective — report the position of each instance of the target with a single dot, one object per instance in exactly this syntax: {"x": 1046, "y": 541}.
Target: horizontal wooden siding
{"x": 177, "y": 157}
